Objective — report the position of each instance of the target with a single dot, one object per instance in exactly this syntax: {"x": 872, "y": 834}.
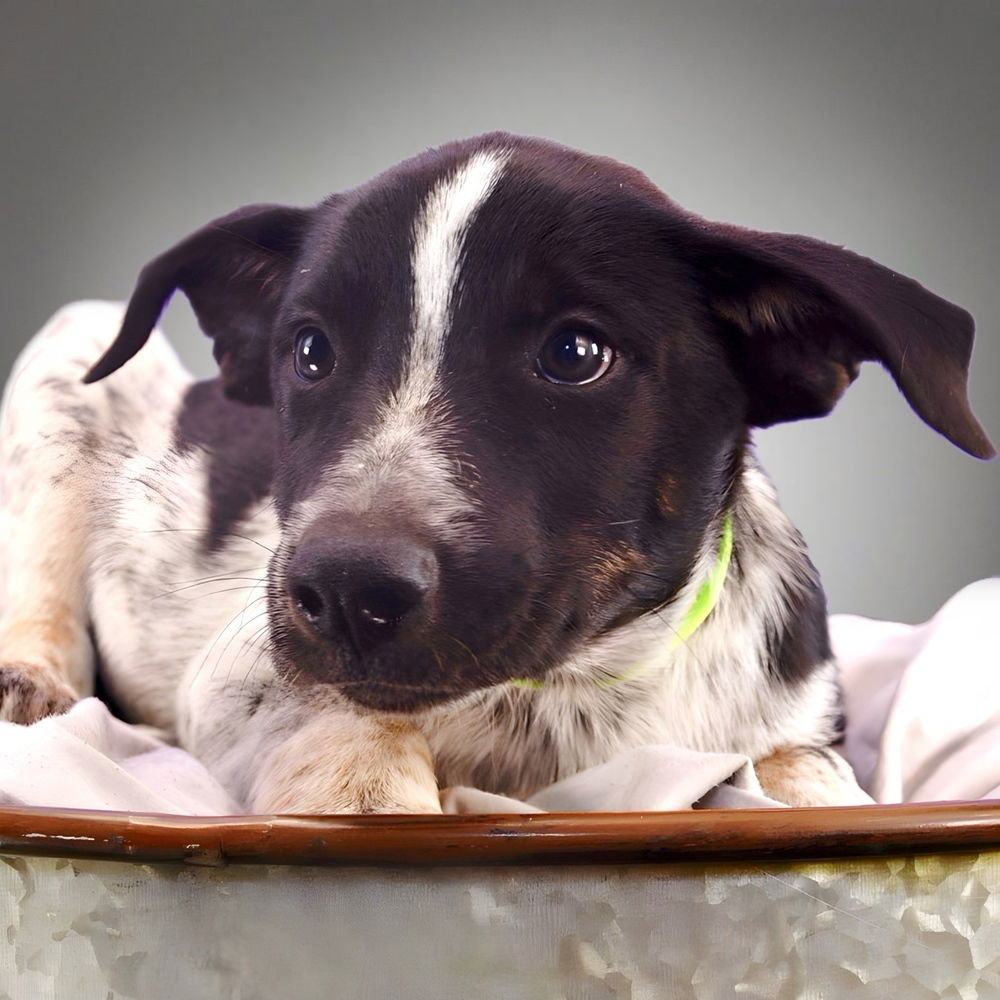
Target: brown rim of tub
{"x": 716, "y": 835}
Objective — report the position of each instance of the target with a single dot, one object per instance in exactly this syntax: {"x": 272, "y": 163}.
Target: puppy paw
{"x": 29, "y": 693}
{"x": 349, "y": 764}
{"x": 810, "y": 776}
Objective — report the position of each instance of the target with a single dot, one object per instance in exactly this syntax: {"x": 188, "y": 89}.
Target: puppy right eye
{"x": 314, "y": 357}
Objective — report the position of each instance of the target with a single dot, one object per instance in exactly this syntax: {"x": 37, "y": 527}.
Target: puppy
{"x": 472, "y": 500}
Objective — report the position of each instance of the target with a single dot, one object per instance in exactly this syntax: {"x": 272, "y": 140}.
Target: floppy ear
{"x": 807, "y": 313}
{"x": 233, "y": 271}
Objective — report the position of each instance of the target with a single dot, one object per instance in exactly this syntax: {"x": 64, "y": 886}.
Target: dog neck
{"x": 755, "y": 674}
{"x": 701, "y": 606}
{"x": 752, "y": 593}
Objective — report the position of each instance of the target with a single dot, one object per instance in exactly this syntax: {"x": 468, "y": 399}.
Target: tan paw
{"x": 343, "y": 763}
{"x": 810, "y": 776}
{"x": 29, "y": 693}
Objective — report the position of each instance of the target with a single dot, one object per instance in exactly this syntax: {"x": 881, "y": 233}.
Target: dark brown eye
{"x": 574, "y": 357}
{"x": 314, "y": 357}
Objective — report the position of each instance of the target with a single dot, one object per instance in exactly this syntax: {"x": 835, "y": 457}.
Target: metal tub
{"x": 879, "y": 901}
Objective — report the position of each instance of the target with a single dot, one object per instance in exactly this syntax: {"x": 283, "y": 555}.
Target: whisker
{"x": 437, "y": 659}
{"x": 243, "y": 644}
{"x": 236, "y": 574}
{"x": 249, "y": 643}
{"x": 211, "y": 649}
{"x": 265, "y": 650}
{"x": 253, "y": 584}
{"x": 201, "y": 531}
{"x": 458, "y": 642}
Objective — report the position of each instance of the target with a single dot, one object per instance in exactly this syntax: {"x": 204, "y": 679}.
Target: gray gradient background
{"x": 875, "y": 125}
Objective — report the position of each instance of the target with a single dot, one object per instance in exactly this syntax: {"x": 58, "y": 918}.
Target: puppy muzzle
{"x": 369, "y": 588}
{"x": 397, "y": 620}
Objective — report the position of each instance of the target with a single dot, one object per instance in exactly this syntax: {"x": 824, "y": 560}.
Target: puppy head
{"x": 511, "y": 385}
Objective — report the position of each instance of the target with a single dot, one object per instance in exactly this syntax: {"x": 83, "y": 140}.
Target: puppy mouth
{"x": 404, "y": 679}
{"x": 386, "y": 696}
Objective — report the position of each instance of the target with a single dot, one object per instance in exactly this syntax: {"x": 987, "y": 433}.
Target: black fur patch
{"x": 239, "y": 441}
{"x": 805, "y": 640}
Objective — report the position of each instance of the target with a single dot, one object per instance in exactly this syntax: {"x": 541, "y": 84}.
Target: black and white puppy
{"x": 472, "y": 500}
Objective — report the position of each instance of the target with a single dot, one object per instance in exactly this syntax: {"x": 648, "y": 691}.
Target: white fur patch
{"x": 402, "y": 463}
{"x": 102, "y": 520}
{"x": 438, "y": 240}
{"x": 59, "y": 441}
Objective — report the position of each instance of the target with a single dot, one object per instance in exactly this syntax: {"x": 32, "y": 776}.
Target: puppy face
{"x": 511, "y": 387}
{"x": 506, "y": 421}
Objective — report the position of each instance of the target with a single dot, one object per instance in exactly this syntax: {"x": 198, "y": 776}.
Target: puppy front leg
{"x": 312, "y": 754}
{"x": 282, "y": 747}
{"x": 49, "y": 435}
{"x": 809, "y": 776}
{"x": 339, "y": 762}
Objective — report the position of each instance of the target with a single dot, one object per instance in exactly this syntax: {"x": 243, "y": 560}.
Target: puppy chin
{"x": 377, "y": 682}
{"x": 396, "y": 699}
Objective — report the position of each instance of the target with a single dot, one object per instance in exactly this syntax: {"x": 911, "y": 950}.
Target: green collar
{"x": 699, "y": 609}
{"x": 708, "y": 592}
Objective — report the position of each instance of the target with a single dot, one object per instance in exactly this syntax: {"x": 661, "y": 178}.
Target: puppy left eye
{"x": 314, "y": 357}
{"x": 574, "y": 357}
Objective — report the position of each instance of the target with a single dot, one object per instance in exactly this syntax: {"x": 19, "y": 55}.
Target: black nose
{"x": 359, "y": 584}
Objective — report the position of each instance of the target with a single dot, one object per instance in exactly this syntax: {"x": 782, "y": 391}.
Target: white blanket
{"x": 923, "y": 711}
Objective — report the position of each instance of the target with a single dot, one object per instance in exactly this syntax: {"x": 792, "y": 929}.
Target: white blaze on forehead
{"x": 404, "y": 456}
{"x": 438, "y": 239}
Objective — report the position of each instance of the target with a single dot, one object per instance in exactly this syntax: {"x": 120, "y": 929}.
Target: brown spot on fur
{"x": 666, "y": 493}
{"x": 763, "y": 309}
{"x": 611, "y": 569}
{"x": 843, "y": 376}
